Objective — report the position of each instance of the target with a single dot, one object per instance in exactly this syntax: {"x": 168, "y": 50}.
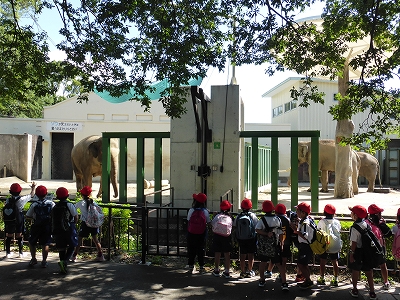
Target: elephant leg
{"x": 371, "y": 184}
{"x": 324, "y": 181}
{"x": 100, "y": 193}
{"x": 355, "y": 183}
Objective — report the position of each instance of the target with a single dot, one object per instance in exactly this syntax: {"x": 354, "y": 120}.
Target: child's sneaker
{"x": 268, "y": 274}
{"x": 202, "y": 270}
{"x": 321, "y": 281}
{"x": 73, "y": 258}
{"x": 21, "y": 255}
{"x": 306, "y": 284}
{"x": 252, "y": 273}
{"x": 334, "y": 282}
{"x": 386, "y": 286}
{"x": 43, "y": 264}
{"x": 100, "y": 258}
{"x": 372, "y": 295}
{"x": 354, "y": 293}
{"x": 300, "y": 278}
{"x": 226, "y": 275}
{"x": 216, "y": 273}
{"x": 33, "y": 262}
{"x": 9, "y": 255}
{"x": 261, "y": 283}
{"x": 285, "y": 287}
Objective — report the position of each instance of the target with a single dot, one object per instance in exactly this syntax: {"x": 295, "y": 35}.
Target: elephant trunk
{"x": 113, "y": 174}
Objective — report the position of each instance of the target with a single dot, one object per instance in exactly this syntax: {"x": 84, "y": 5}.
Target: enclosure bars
{"x": 140, "y": 136}
{"x": 294, "y": 135}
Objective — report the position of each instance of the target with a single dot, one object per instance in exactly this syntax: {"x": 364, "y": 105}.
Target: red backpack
{"x": 197, "y": 222}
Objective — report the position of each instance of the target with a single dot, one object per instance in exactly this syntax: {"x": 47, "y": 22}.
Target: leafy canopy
{"x": 122, "y": 46}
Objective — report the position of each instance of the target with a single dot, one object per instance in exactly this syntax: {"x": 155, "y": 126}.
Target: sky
{"x": 252, "y": 80}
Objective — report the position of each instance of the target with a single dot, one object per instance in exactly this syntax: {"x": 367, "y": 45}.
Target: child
{"x": 330, "y": 224}
{"x": 222, "y": 243}
{"x": 305, "y": 234}
{"x": 14, "y": 222}
{"x": 280, "y": 211}
{"x": 270, "y": 226}
{"x": 85, "y": 230}
{"x": 381, "y": 230}
{"x": 40, "y": 212}
{"x": 198, "y": 217}
{"x": 356, "y": 263}
{"x": 246, "y": 237}
{"x": 64, "y": 218}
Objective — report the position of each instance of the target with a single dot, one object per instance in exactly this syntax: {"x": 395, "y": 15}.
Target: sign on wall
{"x": 64, "y": 126}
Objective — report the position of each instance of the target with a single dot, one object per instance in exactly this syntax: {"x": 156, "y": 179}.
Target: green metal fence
{"x": 264, "y": 171}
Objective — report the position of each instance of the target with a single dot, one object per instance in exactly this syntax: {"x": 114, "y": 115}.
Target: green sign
{"x": 217, "y": 145}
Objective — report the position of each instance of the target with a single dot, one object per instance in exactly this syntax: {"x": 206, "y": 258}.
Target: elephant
{"x": 327, "y": 161}
{"x": 86, "y": 159}
{"x": 369, "y": 169}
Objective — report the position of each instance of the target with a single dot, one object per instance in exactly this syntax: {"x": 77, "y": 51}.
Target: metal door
{"x": 61, "y": 146}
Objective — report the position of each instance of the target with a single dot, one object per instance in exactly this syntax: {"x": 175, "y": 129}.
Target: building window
{"x": 290, "y": 105}
{"x": 277, "y": 111}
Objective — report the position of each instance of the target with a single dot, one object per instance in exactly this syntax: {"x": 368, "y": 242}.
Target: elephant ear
{"x": 95, "y": 148}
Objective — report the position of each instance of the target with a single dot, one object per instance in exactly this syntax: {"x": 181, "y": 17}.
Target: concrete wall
{"x": 226, "y": 149}
{"x": 16, "y": 155}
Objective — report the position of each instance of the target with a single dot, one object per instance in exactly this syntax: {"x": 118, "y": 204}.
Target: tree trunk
{"x": 343, "y": 164}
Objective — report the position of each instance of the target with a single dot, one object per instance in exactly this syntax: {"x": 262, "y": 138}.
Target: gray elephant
{"x": 327, "y": 161}
{"x": 369, "y": 169}
{"x": 86, "y": 159}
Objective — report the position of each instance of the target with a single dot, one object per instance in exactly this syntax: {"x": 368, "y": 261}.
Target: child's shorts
{"x": 222, "y": 243}
{"x": 40, "y": 234}
{"x": 85, "y": 230}
{"x": 247, "y": 246}
{"x": 331, "y": 256}
{"x": 305, "y": 254}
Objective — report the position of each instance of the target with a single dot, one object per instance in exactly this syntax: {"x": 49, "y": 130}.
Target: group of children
{"x": 273, "y": 235}
{"x": 50, "y": 220}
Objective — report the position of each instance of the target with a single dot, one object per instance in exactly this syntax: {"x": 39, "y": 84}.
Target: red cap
{"x": 86, "y": 191}
{"x": 280, "y": 209}
{"x": 62, "y": 193}
{"x": 330, "y": 209}
{"x": 267, "y": 206}
{"x": 15, "y": 188}
{"x": 225, "y": 205}
{"x": 200, "y": 197}
{"x": 304, "y": 207}
{"x": 374, "y": 209}
{"x": 246, "y": 204}
{"x": 398, "y": 212}
{"x": 359, "y": 210}
{"x": 41, "y": 191}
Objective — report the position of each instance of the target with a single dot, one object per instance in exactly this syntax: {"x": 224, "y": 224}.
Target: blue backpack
{"x": 245, "y": 229}
{"x": 42, "y": 211}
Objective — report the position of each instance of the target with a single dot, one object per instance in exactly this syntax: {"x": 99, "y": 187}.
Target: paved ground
{"x": 110, "y": 280}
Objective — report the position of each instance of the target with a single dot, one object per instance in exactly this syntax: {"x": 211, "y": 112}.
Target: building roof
{"x": 158, "y": 86}
{"x": 287, "y": 82}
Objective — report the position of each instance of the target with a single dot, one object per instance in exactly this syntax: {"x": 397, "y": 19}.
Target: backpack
{"x": 197, "y": 222}
{"x": 266, "y": 244}
{"x": 95, "y": 216}
{"x": 245, "y": 229}
{"x": 11, "y": 215}
{"x": 222, "y": 225}
{"x": 376, "y": 230}
{"x": 42, "y": 211}
{"x": 372, "y": 251}
{"x": 320, "y": 240}
{"x": 396, "y": 244}
{"x": 334, "y": 240}
{"x": 60, "y": 216}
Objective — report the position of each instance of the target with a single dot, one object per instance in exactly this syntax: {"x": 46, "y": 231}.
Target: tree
{"x": 28, "y": 79}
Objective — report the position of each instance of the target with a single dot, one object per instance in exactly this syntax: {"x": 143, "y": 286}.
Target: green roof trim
{"x": 159, "y": 87}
